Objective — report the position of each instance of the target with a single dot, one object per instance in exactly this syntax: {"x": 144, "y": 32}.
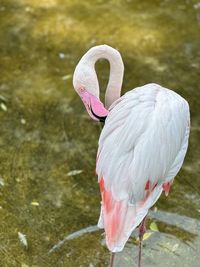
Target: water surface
{"x": 45, "y": 132}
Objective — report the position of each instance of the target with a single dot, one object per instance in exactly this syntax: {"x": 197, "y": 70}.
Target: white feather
{"x": 145, "y": 137}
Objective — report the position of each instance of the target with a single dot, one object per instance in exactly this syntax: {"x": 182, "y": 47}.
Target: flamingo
{"x": 141, "y": 147}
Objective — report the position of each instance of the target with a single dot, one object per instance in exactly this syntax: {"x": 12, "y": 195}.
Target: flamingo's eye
{"x": 81, "y": 89}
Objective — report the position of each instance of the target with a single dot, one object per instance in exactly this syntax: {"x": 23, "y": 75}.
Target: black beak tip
{"x": 101, "y": 119}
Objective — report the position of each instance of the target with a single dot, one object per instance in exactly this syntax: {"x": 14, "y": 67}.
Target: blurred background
{"x": 48, "y": 187}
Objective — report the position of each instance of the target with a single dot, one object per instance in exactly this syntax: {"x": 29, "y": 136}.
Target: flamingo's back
{"x": 141, "y": 149}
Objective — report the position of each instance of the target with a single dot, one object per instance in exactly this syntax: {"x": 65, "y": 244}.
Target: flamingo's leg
{"x": 112, "y": 259}
{"x": 142, "y": 230}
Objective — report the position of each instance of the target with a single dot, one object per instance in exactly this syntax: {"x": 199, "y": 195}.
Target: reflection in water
{"x": 45, "y": 132}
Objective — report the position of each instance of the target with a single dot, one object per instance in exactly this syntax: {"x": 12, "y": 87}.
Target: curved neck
{"x": 113, "y": 90}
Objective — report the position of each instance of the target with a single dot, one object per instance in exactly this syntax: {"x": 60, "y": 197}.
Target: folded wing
{"x": 141, "y": 148}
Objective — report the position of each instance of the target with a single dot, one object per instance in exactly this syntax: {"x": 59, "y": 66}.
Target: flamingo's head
{"x": 86, "y": 85}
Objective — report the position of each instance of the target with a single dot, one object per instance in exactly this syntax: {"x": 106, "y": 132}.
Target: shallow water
{"x": 45, "y": 132}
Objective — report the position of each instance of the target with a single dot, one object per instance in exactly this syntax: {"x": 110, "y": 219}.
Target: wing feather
{"x": 145, "y": 138}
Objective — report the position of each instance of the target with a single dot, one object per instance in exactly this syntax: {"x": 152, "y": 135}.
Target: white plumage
{"x": 145, "y": 138}
{"x": 141, "y": 148}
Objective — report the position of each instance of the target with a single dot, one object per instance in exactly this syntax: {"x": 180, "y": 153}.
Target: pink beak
{"x": 94, "y": 106}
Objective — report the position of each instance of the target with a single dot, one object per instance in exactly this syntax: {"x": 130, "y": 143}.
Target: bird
{"x": 141, "y": 147}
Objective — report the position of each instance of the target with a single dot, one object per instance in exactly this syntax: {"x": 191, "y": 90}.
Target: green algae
{"x": 45, "y": 132}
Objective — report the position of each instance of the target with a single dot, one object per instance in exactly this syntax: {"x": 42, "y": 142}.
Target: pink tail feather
{"x": 120, "y": 218}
